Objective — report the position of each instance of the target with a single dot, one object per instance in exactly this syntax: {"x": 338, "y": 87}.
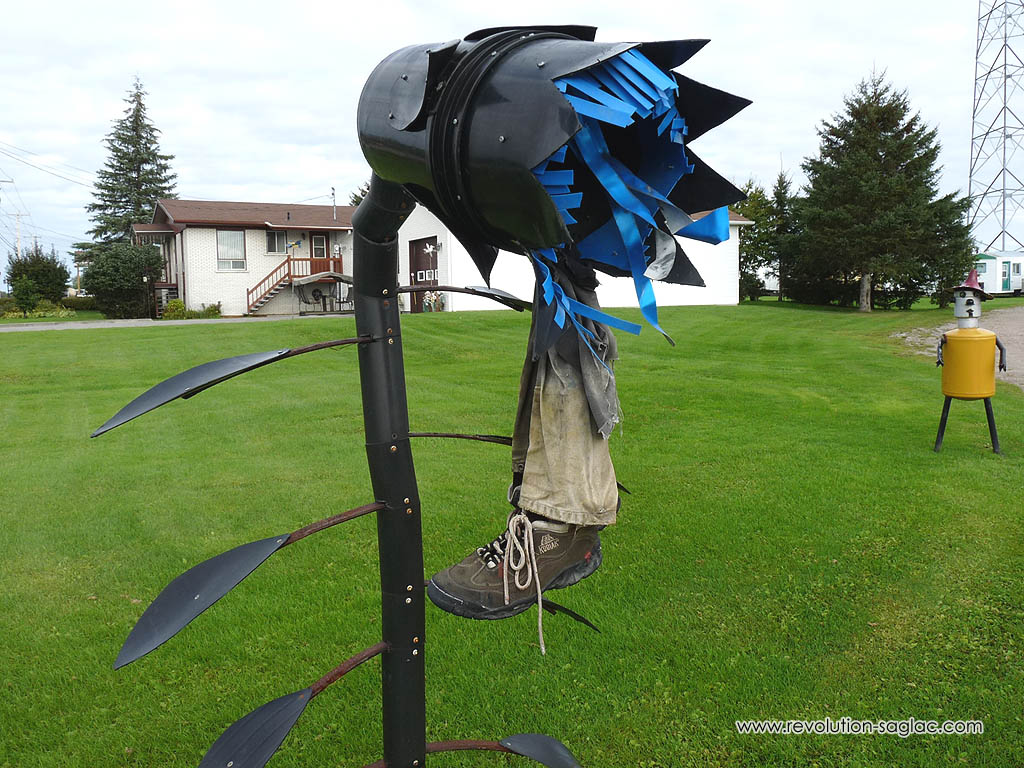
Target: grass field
{"x": 792, "y": 547}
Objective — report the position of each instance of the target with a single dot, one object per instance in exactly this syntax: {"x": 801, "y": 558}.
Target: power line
{"x": 51, "y": 231}
{"x": 30, "y": 152}
{"x": 44, "y": 170}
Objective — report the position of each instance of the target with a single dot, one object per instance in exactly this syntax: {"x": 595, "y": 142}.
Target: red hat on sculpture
{"x": 972, "y": 284}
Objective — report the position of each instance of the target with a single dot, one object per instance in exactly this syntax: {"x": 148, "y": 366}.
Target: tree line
{"x": 869, "y": 228}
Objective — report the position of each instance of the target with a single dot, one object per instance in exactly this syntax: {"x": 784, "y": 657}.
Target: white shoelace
{"x": 521, "y": 558}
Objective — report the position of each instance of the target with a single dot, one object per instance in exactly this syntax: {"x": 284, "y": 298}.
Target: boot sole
{"x": 571, "y": 575}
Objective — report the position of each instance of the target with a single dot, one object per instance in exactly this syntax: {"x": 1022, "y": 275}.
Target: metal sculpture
{"x": 443, "y": 125}
{"x": 968, "y": 372}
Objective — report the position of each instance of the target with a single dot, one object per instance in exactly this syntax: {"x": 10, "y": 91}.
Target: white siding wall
{"x": 206, "y": 285}
{"x": 717, "y": 264}
{"x": 422, "y": 223}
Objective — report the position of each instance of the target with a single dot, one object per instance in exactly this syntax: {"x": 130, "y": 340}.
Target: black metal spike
{"x": 669, "y": 54}
{"x": 195, "y": 380}
{"x": 704, "y": 189}
{"x": 706, "y": 107}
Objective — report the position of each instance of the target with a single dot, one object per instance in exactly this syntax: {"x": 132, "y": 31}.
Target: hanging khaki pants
{"x": 568, "y": 406}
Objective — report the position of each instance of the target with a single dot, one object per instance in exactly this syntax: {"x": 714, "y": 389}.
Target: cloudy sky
{"x": 257, "y": 100}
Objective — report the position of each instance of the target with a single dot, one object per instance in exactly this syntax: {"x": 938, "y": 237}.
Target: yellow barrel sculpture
{"x": 969, "y": 371}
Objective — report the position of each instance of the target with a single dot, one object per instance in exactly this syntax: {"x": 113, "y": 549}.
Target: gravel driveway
{"x": 1007, "y": 324}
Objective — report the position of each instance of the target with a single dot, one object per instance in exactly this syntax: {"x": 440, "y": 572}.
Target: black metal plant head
{"x": 540, "y": 141}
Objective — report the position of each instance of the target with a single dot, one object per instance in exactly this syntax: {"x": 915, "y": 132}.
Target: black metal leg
{"x": 942, "y": 424}
{"x": 992, "y": 425}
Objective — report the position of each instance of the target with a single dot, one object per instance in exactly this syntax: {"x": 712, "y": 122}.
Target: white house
{"x": 1000, "y": 271}
{"x": 279, "y": 258}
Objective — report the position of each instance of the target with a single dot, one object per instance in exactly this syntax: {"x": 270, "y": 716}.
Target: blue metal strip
{"x": 555, "y": 178}
{"x": 599, "y": 111}
{"x": 592, "y": 89}
{"x": 595, "y": 153}
{"x": 624, "y": 69}
{"x": 565, "y": 202}
{"x": 713, "y": 228}
{"x": 648, "y": 69}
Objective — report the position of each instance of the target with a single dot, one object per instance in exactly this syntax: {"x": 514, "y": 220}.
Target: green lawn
{"x": 792, "y": 547}
{"x": 81, "y": 314}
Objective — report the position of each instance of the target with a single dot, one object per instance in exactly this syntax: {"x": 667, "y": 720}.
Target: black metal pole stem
{"x": 375, "y": 227}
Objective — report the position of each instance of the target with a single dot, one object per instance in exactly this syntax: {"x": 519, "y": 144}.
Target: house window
{"x": 230, "y": 250}
{"x": 277, "y": 242}
{"x": 980, "y": 267}
{"x": 1016, "y": 267}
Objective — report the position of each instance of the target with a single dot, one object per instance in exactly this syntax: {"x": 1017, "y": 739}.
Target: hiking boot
{"x": 541, "y": 555}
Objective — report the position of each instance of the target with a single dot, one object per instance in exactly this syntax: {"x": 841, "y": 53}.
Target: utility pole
{"x": 995, "y": 186}
{"x": 334, "y": 205}
{"x": 17, "y": 219}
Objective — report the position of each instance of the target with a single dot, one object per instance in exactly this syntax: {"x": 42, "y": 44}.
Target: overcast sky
{"x": 257, "y": 101}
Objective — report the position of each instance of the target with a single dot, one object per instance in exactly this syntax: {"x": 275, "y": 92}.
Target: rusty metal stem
{"x": 455, "y": 746}
{"x": 325, "y": 345}
{"x": 327, "y": 522}
{"x": 345, "y": 667}
{"x": 500, "y": 439}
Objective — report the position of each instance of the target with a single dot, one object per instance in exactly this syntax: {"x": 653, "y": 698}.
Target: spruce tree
{"x": 134, "y": 176}
{"x": 873, "y": 220}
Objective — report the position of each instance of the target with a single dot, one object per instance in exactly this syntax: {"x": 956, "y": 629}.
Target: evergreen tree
{"x": 26, "y": 296}
{"x": 785, "y": 228}
{"x": 48, "y": 273}
{"x": 356, "y": 196}
{"x": 872, "y": 216}
{"x": 134, "y": 176}
{"x": 121, "y": 277}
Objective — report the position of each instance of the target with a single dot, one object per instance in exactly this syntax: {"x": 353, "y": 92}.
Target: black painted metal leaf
{"x": 552, "y": 607}
{"x": 188, "y": 383}
{"x": 544, "y": 749}
{"x": 253, "y": 740}
{"x": 192, "y": 593}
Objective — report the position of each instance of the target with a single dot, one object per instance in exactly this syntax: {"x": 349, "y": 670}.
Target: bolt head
{"x": 408, "y": 600}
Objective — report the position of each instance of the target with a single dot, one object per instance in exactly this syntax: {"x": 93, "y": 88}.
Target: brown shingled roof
{"x": 158, "y": 228}
{"x": 215, "y": 212}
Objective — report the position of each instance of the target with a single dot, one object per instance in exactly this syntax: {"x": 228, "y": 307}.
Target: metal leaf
{"x": 253, "y": 740}
{"x": 192, "y": 593}
{"x": 544, "y": 749}
{"x": 195, "y": 380}
{"x": 188, "y": 383}
{"x": 552, "y": 607}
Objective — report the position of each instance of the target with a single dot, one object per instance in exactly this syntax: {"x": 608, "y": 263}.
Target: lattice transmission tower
{"x": 996, "y": 186}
